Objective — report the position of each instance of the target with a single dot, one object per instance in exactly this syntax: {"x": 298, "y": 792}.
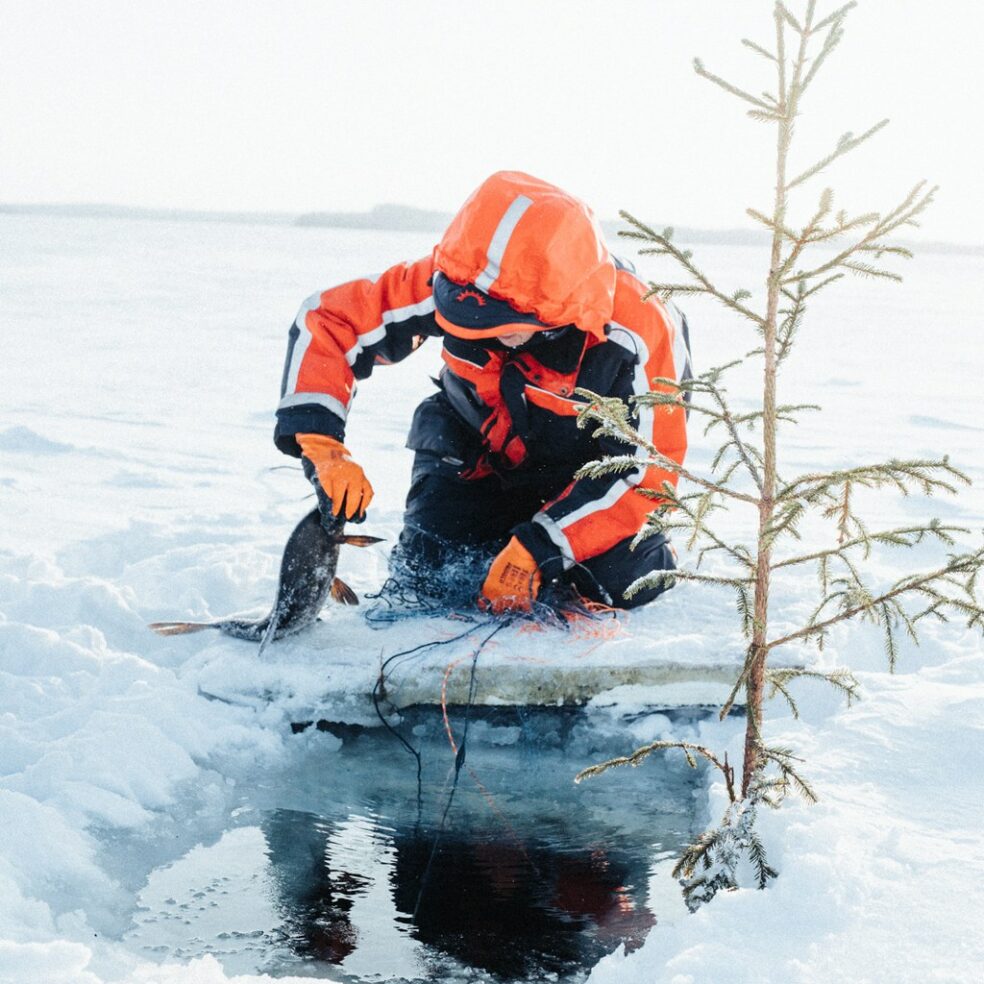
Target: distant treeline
{"x": 405, "y": 218}
{"x": 395, "y": 218}
{"x": 402, "y": 218}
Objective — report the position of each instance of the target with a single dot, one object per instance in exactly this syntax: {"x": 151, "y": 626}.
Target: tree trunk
{"x": 758, "y": 653}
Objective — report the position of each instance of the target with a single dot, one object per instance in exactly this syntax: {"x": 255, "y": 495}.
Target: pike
{"x": 307, "y": 578}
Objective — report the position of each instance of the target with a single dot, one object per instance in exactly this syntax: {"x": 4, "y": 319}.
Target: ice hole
{"x": 342, "y": 867}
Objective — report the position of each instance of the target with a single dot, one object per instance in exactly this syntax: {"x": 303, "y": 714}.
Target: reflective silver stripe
{"x": 621, "y": 486}
{"x": 627, "y": 265}
{"x": 622, "y": 336}
{"x": 405, "y": 313}
{"x": 500, "y": 240}
{"x": 557, "y": 538}
{"x": 681, "y": 354}
{"x": 377, "y": 334}
{"x": 320, "y": 399}
{"x": 630, "y": 340}
{"x": 682, "y": 363}
{"x": 640, "y": 385}
{"x": 303, "y": 340}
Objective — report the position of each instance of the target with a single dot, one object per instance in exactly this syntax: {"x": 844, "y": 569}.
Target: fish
{"x": 307, "y": 578}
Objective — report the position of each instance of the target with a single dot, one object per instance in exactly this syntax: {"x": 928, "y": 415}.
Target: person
{"x": 531, "y": 307}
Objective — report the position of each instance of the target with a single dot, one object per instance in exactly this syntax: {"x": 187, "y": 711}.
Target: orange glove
{"x": 341, "y": 478}
{"x": 513, "y": 581}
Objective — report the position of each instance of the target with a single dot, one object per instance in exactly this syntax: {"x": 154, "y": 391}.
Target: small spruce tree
{"x": 745, "y": 472}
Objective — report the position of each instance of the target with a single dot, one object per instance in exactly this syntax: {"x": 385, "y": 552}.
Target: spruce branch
{"x": 689, "y": 749}
{"x": 795, "y": 90}
{"x": 762, "y": 117}
{"x": 699, "y": 854}
{"x": 815, "y": 232}
{"x": 927, "y": 475}
{"x": 789, "y": 776}
{"x": 855, "y": 604}
{"x": 867, "y": 270}
{"x": 787, "y": 232}
{"x": 837, "y": 15}
{"x": 792, "y": 318}
{"x": 784, "y": 520}
{"x": 845, "y": 145}
{"x": 786, "y": 14}
{"x": 612, "y": 465}
{"x": 743, "y": 450}
{"x": 665, "y": 579}
{"x": 842, "y": 512}
{"x": 916, "y": 202}
{"x": 708, "y": 384}
{"x": 803, "y": 292}
{"x": 746, "y": 611}
{"x": 841, "y": 679}
{"x": 785, "y": 411}
{"x": 903, "y": 536}
{"x": 684, "y": 259}
{"x": 742, "y": 679}
{"x": 891, "y": 647}
{"x": 614, "y": 421}
{"x": 781, "y": 68}
{"x": 710, "y": 865}
{"x": 809, "y": 233}
{"x": 756, "y": 853}
{"x": 833, "y": 38}
{"x": 759, "y": 49}
{"x": 697, "y": 527}
{"x": 730, "y": 87}
{"x": 666, "y": 292}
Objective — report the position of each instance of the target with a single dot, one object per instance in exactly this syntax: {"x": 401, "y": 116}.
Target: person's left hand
{"x": 513, "y": 581}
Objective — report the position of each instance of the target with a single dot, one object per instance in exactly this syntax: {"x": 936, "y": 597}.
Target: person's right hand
{"x": 343, "y": 481}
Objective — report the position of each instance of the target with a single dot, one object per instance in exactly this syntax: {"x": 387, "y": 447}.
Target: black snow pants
{"x": 454, "y": 527}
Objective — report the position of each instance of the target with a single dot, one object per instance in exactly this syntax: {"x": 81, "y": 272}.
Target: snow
{"x": 138, "y": 481}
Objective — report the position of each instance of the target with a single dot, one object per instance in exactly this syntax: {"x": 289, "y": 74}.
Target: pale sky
{"x": 321, "y": 105}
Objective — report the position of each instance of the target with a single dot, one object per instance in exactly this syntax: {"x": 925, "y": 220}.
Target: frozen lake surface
{"x": 138, "y": 481}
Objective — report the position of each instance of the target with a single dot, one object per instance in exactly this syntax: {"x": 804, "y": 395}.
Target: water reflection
{"x": 514, "y": 910}
{"x": 313, "y": 899}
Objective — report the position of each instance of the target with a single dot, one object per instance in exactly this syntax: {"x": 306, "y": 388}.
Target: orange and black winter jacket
{"x": 519, "y": 404}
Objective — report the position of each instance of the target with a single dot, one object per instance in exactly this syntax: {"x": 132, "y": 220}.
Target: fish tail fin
{"x": 342, "y": 593}
{"x": 357, "y": 539}
{"x": 178, "y": 628}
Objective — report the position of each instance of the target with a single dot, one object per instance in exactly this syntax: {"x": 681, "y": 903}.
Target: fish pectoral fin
{"x": 342, "y": 593}
{"x": 178, "y": 628}
{"x": 357, "y": 540}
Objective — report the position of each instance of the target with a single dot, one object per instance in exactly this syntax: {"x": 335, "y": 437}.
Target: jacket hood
{"x": 529, "y": 243}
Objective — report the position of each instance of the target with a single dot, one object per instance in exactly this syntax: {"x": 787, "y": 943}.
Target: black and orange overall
{"x": 498, "y": 446}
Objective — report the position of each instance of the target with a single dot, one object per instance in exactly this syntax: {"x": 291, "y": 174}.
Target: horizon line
{"x": 436, "y": 221}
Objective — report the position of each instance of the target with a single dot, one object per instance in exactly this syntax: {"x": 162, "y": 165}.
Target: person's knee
{"x": 656, "y": 578}
{"x": 609, "y": 576}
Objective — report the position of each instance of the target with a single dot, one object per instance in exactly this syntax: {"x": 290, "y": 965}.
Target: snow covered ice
{"x": 138, "y": 481}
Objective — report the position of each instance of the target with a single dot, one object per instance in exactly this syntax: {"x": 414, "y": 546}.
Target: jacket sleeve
{"x": 592, "y": 515}
{"x": 339, "y": 336}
